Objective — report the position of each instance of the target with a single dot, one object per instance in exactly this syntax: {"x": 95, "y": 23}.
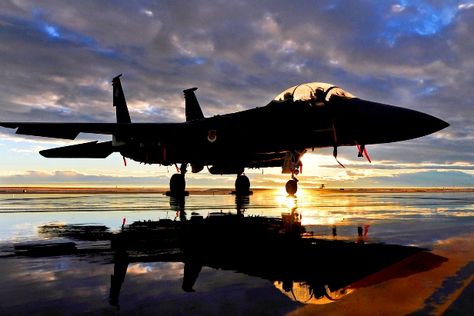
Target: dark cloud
{"x": 426, "y": 179}
{"x": 58, "y": 59}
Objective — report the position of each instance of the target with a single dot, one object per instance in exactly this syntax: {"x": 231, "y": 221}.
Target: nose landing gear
{"x": 292, "y": 164}
{"x": 292, "y": 186}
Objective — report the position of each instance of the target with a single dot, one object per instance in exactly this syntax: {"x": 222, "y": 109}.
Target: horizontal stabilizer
{"x": 86, "y": 150}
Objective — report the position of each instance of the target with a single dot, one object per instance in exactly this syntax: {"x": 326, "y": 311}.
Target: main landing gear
{"x": 242, "y": 186}
{"x": 178, "y": 183}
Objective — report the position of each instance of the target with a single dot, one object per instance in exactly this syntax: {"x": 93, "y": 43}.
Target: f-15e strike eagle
{"x": 309, "y": 115}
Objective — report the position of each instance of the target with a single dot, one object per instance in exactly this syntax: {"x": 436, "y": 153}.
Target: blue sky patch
{"x": 51, "y": 31}
{"x": 418, "y": 18}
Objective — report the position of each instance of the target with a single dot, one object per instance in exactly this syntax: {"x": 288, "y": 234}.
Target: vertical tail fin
{"x": 119, "y": 101}
{"x": 192, "y": 108}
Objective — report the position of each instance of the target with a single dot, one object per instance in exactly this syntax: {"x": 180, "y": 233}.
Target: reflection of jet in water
{"x": 303, "y": 117}
{"x": 308, "y": 270}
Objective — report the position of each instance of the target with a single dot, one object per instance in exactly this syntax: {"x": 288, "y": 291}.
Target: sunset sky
{"x": 57, "y": 59}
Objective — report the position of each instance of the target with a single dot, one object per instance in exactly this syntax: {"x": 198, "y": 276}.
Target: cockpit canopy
{"x": 313, "y": 91}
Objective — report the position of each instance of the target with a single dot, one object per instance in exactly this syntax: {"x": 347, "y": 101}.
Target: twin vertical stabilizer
{"x": 192, "y": 108}
{"x": 119, "y": 101}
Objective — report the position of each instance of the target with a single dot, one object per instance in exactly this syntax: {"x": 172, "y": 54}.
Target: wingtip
{"x": 43, "y": 153}
{"x": 8, "y": 125}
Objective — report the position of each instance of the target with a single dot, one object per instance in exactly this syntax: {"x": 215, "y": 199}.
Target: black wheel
{"x": 177, "y": 183}
{"x": 291, "y": 187}
{"x": 242, "y": 185}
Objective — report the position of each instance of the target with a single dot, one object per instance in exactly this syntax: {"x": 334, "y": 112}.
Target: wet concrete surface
{"x": 319, "y": 253}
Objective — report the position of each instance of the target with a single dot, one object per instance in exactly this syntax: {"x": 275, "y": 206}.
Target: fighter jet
{"x": 303, "y": 117}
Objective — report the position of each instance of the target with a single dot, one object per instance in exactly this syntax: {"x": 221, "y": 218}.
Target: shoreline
{"x": 211, "y": 191}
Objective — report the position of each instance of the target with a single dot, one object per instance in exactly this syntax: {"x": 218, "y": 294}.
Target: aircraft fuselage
{"x": 279, "y": 127}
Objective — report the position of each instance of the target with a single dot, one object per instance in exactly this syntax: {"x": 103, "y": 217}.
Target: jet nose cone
{"x": 381, "y": 123}
{"x": 437, "y": 124}
{"x": 421, "y": 124}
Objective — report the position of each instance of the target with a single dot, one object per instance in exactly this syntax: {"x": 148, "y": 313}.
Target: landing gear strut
{"x": 292, "y": 164}
{"x": 178, "y": 183}
{"x": 242, "y": 186}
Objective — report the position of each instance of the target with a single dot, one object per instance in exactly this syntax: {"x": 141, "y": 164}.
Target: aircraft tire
{"x": 291, "y": 187}
{"x": 242, "y": 185}
{"x": 177, "y": 184}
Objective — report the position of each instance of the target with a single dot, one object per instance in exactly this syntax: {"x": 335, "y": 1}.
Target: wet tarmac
{"x": 335, "y": 253}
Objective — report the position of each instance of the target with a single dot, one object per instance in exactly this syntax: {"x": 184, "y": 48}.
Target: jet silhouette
{"x": 303, "y": 117}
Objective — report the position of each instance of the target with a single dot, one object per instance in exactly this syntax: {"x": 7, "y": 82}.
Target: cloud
{"x": 62, "y": 177}
{"x": 347, "y": 178}
{"x": 466, "y": 6}
{"x": 427, "y": 179}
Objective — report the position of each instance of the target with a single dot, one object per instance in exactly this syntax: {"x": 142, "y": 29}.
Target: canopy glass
{"x": 317, "y": 91}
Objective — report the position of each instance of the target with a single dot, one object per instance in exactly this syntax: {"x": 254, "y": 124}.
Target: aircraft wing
{"x": 60, "y": 130}
{"x": 71, "y": 130}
